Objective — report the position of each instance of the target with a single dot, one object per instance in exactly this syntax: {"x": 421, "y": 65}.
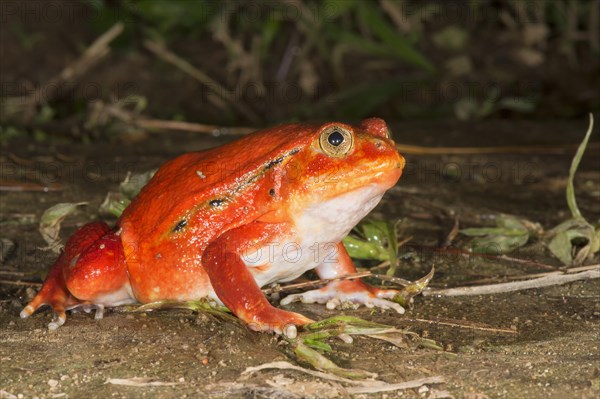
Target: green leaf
{"x": 576, "y": 239}
{"x": 133, "y": 183}
{"x": 318, "y": 345}
{"x": 320, "y": 362}
{"x": 485, "y": 231}
{"x": 373, "y": 239}
{"x": 270, "y": 30}
{"x": 397, "y": 45}
{"x": 406, "y": 294}
{"x": 498, "y": 244}
{"x": 201, "y": 305}
{"x": 561, "y": 247}
{"x": 360, "y": 100}
{"x": 574, "y": 236}
{"x": 332, "y": 9}
{"x": 170, "y": 16}
{"x": 351, "y": 325}
{"x": 509, "y": 234}
{"x": 359, "y": 249}
{"x": 115, "y": 203}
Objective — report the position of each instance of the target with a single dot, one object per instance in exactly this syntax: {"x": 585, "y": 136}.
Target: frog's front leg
{"x": 340, "y": 292}
{"x": 235, "y": 285}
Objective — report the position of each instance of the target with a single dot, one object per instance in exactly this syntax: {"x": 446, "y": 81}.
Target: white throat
{"x": 332, "y": 220}
{"x": 318, "y": 229}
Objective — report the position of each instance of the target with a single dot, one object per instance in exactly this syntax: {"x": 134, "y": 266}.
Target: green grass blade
{"x": 397, "y": 44}
{"x": 571, "y": 200}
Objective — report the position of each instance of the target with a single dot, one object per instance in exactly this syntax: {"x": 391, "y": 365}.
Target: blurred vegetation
{"x": 288, "y": 60}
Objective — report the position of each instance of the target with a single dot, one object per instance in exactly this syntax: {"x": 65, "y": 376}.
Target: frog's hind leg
{"x": 54, "y": 291}
{"x": 98, "y": 276}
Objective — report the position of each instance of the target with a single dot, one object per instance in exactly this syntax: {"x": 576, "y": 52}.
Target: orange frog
{"x": 224, "y": 222}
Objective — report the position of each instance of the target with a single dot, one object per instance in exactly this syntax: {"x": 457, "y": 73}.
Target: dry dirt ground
{"x": 555, "y": 353}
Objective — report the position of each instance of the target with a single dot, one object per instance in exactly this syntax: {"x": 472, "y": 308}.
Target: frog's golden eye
{"x": 336, "y": 141}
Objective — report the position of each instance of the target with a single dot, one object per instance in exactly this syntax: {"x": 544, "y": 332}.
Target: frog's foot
{"x": 88, "y": 307}
{"x": 341, "y": 293}
{"x": 277, "y": 321}
{"x": 53, "y": 293}
{"x": 59, "y": 300}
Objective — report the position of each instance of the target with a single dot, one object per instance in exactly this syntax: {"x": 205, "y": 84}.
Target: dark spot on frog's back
{"x": 274, "y": 162}
{"x": 180, "y": 225}
{"x": 217, "y": 202}
{"x": 279, "y": 160}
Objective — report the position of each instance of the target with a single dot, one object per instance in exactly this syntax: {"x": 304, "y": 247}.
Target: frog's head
{"x": 343, "y": 166}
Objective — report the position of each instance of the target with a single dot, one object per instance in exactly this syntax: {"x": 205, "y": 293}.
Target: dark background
{"x": 276, "y": 61}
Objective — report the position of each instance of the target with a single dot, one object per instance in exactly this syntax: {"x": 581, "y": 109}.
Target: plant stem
{"x": 571, "y": 200}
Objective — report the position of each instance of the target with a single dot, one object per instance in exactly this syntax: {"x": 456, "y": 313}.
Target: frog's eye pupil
{"x": 335, "y": 138}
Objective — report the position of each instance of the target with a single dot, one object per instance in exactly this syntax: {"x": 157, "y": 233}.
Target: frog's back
{"x": 186, "y": 182}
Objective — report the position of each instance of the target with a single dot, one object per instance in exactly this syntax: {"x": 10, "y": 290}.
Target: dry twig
{"x": 465, "y": 252}
{"x": 20, "y": 283}
{"x": 396, "y": 387}
{"x": 525, "y": 149}
{"x": 361, "y": 386}
{"x": 157, "y": 124}
{"x": 71, "y": 73}
{"x": 314, "y": 283}
{"x": 317, "y": 283}
{"x": 163, "y": 53}
{"x": 459, "y": 324}
{"x": 551, "y": 279}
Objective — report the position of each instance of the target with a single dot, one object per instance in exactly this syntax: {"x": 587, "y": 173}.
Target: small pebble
{"x": 52, "y": 383}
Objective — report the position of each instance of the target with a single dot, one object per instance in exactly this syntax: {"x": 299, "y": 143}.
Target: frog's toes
{"x": 290, "y": 331}
{"x": 60, "y": 315}
{"x": 57, "y": 321}
{"x": 26, "y": 312}
{"x": 88, "y": 307}
{"x": 335, "y": 295}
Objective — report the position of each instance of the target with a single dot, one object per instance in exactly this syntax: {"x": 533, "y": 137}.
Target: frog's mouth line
{"x": 386, "y": 179}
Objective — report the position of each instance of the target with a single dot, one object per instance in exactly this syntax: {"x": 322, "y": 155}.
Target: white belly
{"x": 318, "y": 230}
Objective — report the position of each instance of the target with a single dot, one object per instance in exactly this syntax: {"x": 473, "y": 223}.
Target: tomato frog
{"x": 224, "y": 222}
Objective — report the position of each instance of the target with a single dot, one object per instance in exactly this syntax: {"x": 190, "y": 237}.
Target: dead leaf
{"x": 573, "y": 241}
{"x": 51, "y": 220}
{"x": 529, "y": 57}
{"x": 534, "y": 34}
{"x": 451, "y": 38}
{"x": 7, "y": 247}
